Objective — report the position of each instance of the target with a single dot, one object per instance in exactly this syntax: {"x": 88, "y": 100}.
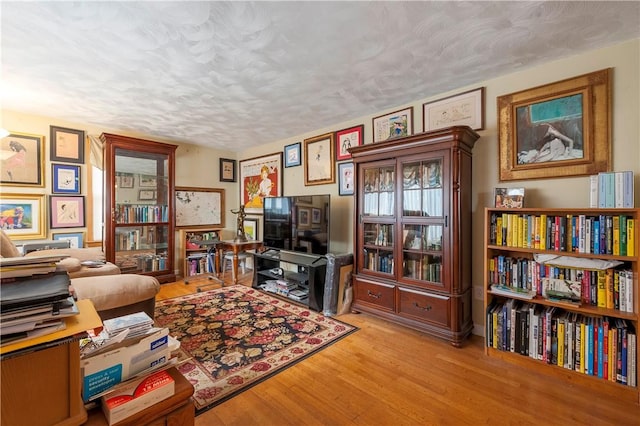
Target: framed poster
{"x": 464, "y": 109}
{"x": 66, "y": 179}
{"x": 76, "y": 239}
{"x": 124, "y": 180}
{"x": 260, "y": 177}
{"x": 251, "y": 228}
{"x": 227, "y": 170}
{"x": 146, "y": 195}
{"x": 199, "y": 207}
{"x": 396, "y": 124}
{"x": 148, "y": 181}
{"x": 67, "y": 145}
{"x": 22, "y": 160}
{"x": 347, "y": 138}
{"x": 304, "y": 216}
{"x": 66, "y": 211}
{"x": 557, "y": 130}
{"x": 22, "y": 215}
{"x": 316, "y": 215}
{"x": 319, "y": 167}
{"x": 292, "y": 155}
{"x": 345, "y": 176}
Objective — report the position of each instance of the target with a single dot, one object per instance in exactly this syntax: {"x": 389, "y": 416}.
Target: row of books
{"x": 602, "y": 234}
{"x": 605, "y": 288}
{"x": 134, "y": 239}
{"x": 201, "y": 263}
{"x": 597, "y": 346}
{"x": 612, "y": 190}
{"x": 141, "y": 213}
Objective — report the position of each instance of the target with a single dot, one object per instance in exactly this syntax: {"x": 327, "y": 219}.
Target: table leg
{"x": 235, "y": 267}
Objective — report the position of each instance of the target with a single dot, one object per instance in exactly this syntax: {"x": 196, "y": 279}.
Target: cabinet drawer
{"x": 381, "y": 295}
{"x": 423, "y": 306}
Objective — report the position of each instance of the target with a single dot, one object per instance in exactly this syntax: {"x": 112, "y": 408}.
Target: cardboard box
{"x": 105, "y": 370}
{"x": 135, "y": 395}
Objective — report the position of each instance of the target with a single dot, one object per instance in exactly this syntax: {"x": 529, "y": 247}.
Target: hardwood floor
{"x": 386, "y": 374}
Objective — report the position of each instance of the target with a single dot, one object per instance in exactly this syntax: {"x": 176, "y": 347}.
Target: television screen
{"x": 297, "y": 223}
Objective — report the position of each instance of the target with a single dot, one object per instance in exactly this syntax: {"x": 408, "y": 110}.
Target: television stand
{"x": 296, "y": 276}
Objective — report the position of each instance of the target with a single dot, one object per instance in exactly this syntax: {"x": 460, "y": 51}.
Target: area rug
{"x": 236, "y": 337}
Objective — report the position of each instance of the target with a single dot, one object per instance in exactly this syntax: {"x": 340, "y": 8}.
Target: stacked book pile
{"x": 34, "y": 297}
{"x": 138, "y": 324}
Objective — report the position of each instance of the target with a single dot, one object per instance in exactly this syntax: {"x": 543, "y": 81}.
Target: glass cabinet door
{"x": 378, "y": 247}
{"x": 379, "y": 191}
{"x": 422, "y": 252}
{"x": 141, "y": 211}
{"x": 422, "y": 192}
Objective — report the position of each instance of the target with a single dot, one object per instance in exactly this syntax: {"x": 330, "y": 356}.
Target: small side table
{"x": 178, "y": 410}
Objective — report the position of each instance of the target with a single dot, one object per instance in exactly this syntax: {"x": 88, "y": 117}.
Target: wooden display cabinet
{"x": 413, "y": 231}
{"x": 139, "y": 205}
{"x": 523, "y": 250}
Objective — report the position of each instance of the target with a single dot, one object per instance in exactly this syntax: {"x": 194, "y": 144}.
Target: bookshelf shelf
{"x": 552, "y": 336}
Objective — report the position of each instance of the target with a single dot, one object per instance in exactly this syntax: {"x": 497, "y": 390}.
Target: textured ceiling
{"x": 232, "y": 75}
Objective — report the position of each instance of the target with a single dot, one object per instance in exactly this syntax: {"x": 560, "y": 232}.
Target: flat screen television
{"x": 297, "y": 223}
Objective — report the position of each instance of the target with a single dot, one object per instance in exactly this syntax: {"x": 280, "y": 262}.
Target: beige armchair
{"x": 113, "y": 294}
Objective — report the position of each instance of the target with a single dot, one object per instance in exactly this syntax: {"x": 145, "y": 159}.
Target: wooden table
{"x": 236, "y": 247}
{"x": 177, "y": 410}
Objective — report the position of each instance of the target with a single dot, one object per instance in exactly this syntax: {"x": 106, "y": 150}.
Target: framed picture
{"x": 199, "y": 207}
{"x": 316, "y": 215}
{"x": 66, "y": 179}
{"x": 66, "y": 211}
{"x": 67, "y": 145}
{"x": 146, "y": 195}
{"x": 511, "y": 198}
{"x": 464, "y": 109}
{"x": 148, "y": 181}
{"x": 227, "y": 170}
{"x": 22, "y": 215}
{"x": 76, "y": 239}
{"x": 124, "y": 180}
{"x": 307, "y": 199}
{"x": 292, "y": 155}
{"x": 556, "y": 130}
{"x": 251, "y": 228}
{"x": 346, "y": 138}
{"x": 345, "y": 183}
{"x": 22, "y": 160}
{"x": 319, "y": 166}
{"x": 260, "y": 177}
{"x": 393, "y": 125}
{"x": 303, "y": 216}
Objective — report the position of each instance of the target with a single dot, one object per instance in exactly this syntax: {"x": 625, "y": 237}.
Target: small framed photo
{"x": 292, "y": 155}
{"x": 148, "y": 181}
{"x": 345, "y": 176}
{"x": 66, "y": 211}
{"x": 76, "y": 239}
{"x": 315, "y": 215}
{"x": 124, "y": 180}
{"x": 319, "y": 164}
{"x": 304, "y": 217}
{"x": 67, "y": 145}
{"x": 464, "y": 109}
{"x": 146, "y": 195}
{"x": 251, "y": 228}
{"x": 394, "y": 125}
{"x": 227, "y": 170}
{"x": 510, "y": 198}
{"x": 65, "y": 178}
{"x": 347, "y": 138}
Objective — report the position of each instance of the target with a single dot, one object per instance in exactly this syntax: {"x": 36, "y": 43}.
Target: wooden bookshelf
{"x": 521, "y": 245}
{"x": 196, "y": 236}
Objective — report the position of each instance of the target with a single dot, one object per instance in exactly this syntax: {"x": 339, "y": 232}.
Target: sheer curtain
{"x": 95, "y": 200}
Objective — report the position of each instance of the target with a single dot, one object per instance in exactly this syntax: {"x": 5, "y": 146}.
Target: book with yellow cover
{"x": 616, "y": 235}
{"x": 631, "y": 237}
{"x": 543, "y": 232}
{"x": 602, "y": 289}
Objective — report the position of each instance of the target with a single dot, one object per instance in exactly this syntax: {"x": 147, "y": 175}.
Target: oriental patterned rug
{"x": 236, "y": 337}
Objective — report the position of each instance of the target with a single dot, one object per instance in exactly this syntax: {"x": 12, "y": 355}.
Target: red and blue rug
{"x": 236, "y": 337}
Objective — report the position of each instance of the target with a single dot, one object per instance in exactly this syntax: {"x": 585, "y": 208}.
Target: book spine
{"x": 631, "y": 237}
{"x": 593, "y": 191}
{"x": 619, "y": 190}
{"x": 628, "y": 195}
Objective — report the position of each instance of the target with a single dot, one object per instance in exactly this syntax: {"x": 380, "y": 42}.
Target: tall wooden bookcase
{"x": 412, "y": 237}
{"x": 524, "y": 250}
{"x": 139, "y": 205}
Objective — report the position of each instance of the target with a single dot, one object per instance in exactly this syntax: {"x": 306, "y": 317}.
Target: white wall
{"x": 197, "y": 166}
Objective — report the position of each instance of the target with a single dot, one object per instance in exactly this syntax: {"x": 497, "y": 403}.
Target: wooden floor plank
{"x": 385, "y": 374}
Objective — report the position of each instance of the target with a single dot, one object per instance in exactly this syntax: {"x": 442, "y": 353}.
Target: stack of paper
{"x": 137, "y": 324}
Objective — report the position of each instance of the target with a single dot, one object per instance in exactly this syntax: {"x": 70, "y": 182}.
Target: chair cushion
{"x": 114, "y": 291}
